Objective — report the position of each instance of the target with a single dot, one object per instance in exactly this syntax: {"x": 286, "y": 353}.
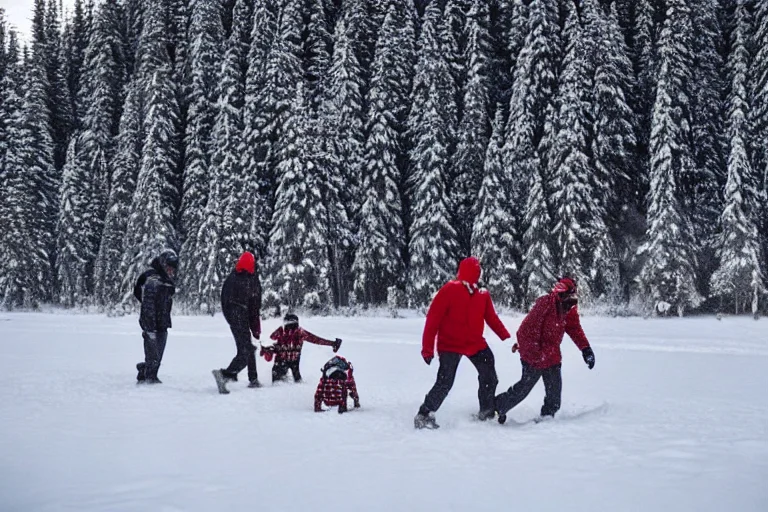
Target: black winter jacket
{"x": 156, "y": 299}
{"x": 241, "y": 301}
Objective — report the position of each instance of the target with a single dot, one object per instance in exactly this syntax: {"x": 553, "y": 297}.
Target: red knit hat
{"x": 246, "y": 263}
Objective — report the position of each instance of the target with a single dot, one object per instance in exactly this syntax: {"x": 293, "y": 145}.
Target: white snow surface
{"x": 674, "y": 417}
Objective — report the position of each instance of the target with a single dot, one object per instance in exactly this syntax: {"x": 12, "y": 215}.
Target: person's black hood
{"x": 166, "y": 259}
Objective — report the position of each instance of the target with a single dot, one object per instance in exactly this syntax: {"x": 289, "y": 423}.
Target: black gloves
{"x": 336, "y": 345}
{"x": 589, "y": 357}
{"x": 428, "y": 359}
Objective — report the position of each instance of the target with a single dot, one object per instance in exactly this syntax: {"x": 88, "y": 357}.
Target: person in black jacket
{"x": 241, "y": 305}
{"x": 155, "y": 289}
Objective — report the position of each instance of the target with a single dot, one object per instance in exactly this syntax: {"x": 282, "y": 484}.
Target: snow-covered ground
{"x": 674, "y": 417}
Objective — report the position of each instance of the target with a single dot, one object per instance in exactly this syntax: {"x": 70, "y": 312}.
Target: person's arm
{"x": 493, "y": 320}
{"x": 317, "y": 340}
{"x": 149, "y": 305}
{"x": 435, "y": 314}
{"x": 574, "y": 330}
{"x": 255, "y": 309}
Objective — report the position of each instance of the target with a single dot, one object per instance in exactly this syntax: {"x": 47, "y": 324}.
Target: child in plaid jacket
{"x": 336, "y": 383}
{"x": 289, "y": 339}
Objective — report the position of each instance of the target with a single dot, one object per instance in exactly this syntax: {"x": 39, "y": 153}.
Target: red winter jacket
{"x": 541, "y": 332}
{"x": 458, "y": 314}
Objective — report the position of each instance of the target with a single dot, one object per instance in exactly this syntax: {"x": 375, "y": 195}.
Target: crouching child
{"x": 336, "y": 384}
{"x": 289, "y": 340}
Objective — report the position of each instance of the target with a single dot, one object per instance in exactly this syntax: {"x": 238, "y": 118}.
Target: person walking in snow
{"x": 289, "y": 340}
{"x": 241, "y": 306}
{"x": 154, "y": 289}
{"x": 337, "y": 382}
{"x": 457, "y": 318}
{"x": 538, "y": 340}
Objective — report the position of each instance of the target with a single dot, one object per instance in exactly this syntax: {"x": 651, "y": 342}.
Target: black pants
{"x": 553, "y": 386}
{"x": 153, "y": 354}
{"x": 280, "y": 370}
{"x": 449, "y": 363}
{"x": 246, "y": 354}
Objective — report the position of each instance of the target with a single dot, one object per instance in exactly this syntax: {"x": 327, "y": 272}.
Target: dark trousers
{"x": 553, "y": 386}
{"x": 449, "y": 363}
{"x": 246, "y": 354}
{"x": 153, "y": 355}
{"x": 280, "y": 370}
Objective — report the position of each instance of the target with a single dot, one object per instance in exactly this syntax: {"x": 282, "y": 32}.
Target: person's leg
{"x": 240, "y": 361}
{"x": 446, "y": 374}
{"x": 279, "y": 370}
{"x": 296, "y": 371}
{"x": 152, "y": 354}
{"x": 517, "y": 393}
{"x": 486, "y": 376}
{"x": 553, "y": 386}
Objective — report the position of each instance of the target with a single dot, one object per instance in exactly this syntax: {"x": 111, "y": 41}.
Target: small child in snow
{"x": 336, "y": 383}
{"x": 289, "y": 340}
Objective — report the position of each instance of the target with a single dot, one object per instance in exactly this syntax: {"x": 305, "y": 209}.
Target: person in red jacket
{"x": 538, "y": 340}
{"x": 457, "y": 318}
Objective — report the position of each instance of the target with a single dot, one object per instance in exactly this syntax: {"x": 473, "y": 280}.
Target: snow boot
{"x": 486, "y": 414}
{"x": 221, "y": 381}
{"x": 425, "y": 420}
{"x": 254, "y": 383}
{"x": 502, "y": 419}
{"x": 140, "y": 377}
{"x": 153, "y": 380}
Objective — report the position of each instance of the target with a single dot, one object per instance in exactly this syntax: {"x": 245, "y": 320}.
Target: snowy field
{"x": 674, "y": 417}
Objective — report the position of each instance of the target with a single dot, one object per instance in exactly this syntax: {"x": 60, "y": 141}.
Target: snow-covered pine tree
{"x": 12, "y": 177}
{"x": 538, "y": 272}
{"x": 206, "y": 32}
{"x": 616, "y": 180}
{"x": 432, "y": 246}
{"x": 534, "y": 82}
{"x": 508, "y": 29}
{"x": 86, "y": 174}
{"x": 473, "y": 131}
{"x": 494, "y": 238}
{"x": 758, "y": 89}
{"x": 668, "y": 276}
{"x": 272, "y": 103}
{"x": 343, "y": 116}
{"x": 30, "y": 187}
{"x": 298, "y": 269}
{"x": 225, "y": 231}
{"x": 52, "y": 54}
{"x": 578, "y": 215}
{"x": 76, "y": 36}
{"x": 76, "y": 244}
{"x": 317, "y": 51}
{"x": 151, "y": 226}
{"x": 378, "y": 262}
{"x": 701, "y": 190}
{"x": 739, "y": 280}
{"x": 125, "y": 169}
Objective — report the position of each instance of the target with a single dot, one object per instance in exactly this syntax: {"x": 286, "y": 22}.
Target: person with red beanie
{"x": 538, "y": 340}
{"x": 241, "y": 306}
{"x": 457, "y": 318}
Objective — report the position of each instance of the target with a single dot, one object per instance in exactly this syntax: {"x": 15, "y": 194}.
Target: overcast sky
{"x": 19, "y": 14}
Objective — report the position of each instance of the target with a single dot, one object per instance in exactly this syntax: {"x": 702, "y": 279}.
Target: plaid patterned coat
{"x": 332, "y": 391}
{"x": 288, "y": 343}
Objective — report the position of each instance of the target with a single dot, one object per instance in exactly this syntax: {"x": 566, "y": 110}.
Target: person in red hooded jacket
{"x": 538, "y": 340}
{"x": 457, "y": 318}
{"x": 241, "y": 306}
